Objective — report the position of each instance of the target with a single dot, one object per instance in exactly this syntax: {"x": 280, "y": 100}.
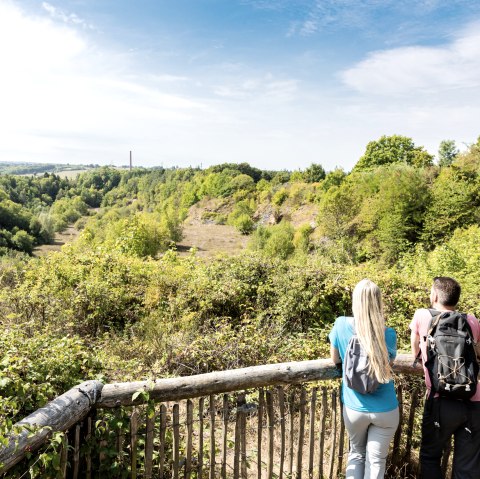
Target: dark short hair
{"x": 448, "y": 290}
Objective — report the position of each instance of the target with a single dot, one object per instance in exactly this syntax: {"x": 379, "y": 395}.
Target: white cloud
{"x": 62, "y": 96}
{"x": 59, "y": 14}
{"x": 407, "y": 70}
{"x": 266, "y": 89}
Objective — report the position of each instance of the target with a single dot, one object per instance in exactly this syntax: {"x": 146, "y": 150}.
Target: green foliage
{"x": 37, "y": 368}
{"x": 274, "y": 241}
{"x": 314, "y": 173}
{"x": 280, "y": 196}
{"x": 301, "y": 238}
{"x": 393, "y": 149}
{"x": 447, "y": 152}
{"x": 77, "y": 292}
{"x": 243, "y": 223}
{"x": 455, "y": 198}
{"x": 241, "y": 216}
{"x": 67, "y": 210}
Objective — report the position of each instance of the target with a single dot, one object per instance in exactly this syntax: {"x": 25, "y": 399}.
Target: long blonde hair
{"x": 367, "y": 306}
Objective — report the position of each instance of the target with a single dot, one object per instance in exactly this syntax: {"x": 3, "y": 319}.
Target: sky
{"x": 279, "y": 84}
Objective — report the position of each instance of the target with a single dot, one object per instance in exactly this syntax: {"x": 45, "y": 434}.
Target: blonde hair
{"x": 367, "y": 306}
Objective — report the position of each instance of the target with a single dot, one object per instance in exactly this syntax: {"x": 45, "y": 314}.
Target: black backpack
{"x": 356, "y": 368}
{"x": 451, "y": 360}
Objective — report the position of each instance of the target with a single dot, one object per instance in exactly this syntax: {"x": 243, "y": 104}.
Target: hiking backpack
{"x": 356, "y": 368}
{"x": 451, "y": 360}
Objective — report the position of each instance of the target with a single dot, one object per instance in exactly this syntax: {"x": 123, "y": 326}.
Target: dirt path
{"x": 60, "y": 239}
{"x": 211, "y": 239}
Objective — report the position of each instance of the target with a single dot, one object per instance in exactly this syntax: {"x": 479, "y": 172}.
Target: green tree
{"x": 392, "y": 217}
{"x": 454, "y": 204}
{"x": 314, "y": 173}
{"x": 447, "y": 152}
{"x": 393, "y": 149}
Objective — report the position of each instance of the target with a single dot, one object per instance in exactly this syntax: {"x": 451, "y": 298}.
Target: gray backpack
{"x": 356, "y": 368}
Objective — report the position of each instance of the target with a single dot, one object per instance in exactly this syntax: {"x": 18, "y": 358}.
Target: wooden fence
{"x": 274, "y": 421}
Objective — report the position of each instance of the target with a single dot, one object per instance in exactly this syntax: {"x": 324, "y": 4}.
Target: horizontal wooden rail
{"x": 72, "y": 406}
{"x": 175, "y": 389}
{"x": 58, "y": 415}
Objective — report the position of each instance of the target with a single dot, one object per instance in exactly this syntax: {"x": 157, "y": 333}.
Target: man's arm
{"x": 334, "y": 355}
{"x": 477, "y": 350}
{"x": 415, "y": 343}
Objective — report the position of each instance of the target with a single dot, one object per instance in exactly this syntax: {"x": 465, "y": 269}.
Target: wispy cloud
{"x": 264, "y": 89}
{"x": 69, "y": 18}
{"x": 402, "y": 71}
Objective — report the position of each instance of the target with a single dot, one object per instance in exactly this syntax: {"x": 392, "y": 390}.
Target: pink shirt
{"x": 419, "y": 325}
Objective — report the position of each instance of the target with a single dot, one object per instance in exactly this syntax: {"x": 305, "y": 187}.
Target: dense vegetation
{"x": 121, "y": 303}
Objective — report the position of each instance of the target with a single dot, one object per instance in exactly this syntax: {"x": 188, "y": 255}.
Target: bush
{"x": 280, "y": 196}
{"x": 244, "y": 224}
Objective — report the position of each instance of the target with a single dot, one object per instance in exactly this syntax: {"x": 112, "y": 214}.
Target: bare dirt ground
{"x": 66, "y": 236}
{"x": 211, "y": 239}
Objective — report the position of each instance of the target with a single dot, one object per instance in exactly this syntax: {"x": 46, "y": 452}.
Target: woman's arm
{"x": 334, "y": 355}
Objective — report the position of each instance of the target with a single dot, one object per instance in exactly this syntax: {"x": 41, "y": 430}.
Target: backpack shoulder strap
{"x": 433, "y": 321}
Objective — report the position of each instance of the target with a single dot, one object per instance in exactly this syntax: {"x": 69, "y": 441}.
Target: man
{"x": 445, "y": 417}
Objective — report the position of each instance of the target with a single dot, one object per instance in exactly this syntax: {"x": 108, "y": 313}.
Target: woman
{"x": 371, "y": 419}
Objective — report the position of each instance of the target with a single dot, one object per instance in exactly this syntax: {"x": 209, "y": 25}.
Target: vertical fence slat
{"x": 261, "y": 402}
{"x": 321, "y": 446}
{"x": 301, "y": 433}
{"x": 176, "y": 440}
{"x": 321, "y": 440}
{"x": 311, "y": 439}
{"x": 133, "y": 443}
{"x": 119, "y": 436}
{"x": 398, "y": 432}
{"x": 243, "y": 436}
{"x": 281, "y": 405}
{"x": 150, "y": 427}
{"x": 224, "y": 436}
{"x": 341, "y": 438}
{"x": 188, "y": 462}
{"x": 333, "y": 433}
{"x": 291, "y": 433}
{"x": 76, "y": 453}
{"x": 270, "y": 423}
{"x": 201, "y": 406}
{"x": 236, "y": 450}
{"x": 161, "y": 446}
{"x": 64, "y": 456}
{"x": 411, "y": 418}
{"x": 88, "y": 455}
{"x": 212, "y": 436}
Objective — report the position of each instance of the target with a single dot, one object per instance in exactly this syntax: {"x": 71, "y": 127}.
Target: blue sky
{"x": 279, "y": 84}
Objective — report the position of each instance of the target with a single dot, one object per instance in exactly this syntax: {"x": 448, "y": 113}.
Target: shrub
{"x": 280, "y": 196}
{"x": 244, "y": 224}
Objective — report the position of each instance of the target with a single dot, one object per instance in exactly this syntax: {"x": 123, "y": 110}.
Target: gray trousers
{"x": 370, "y": 435}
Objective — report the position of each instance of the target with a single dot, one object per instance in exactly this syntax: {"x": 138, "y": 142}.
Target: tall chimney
{"x": 130, "y": 160}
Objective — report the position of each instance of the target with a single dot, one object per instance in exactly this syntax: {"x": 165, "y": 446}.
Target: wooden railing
{"x": 278, "y": 420}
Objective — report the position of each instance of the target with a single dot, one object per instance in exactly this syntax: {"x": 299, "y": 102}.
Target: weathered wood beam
{"x": 175, "y": 389}
{"x": 58, "y": 415}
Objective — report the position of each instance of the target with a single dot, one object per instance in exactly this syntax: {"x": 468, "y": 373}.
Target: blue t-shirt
{"x": 384, "y": 398}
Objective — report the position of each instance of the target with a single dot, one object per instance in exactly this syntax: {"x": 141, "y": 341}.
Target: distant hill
{"x": 27, "y": 168}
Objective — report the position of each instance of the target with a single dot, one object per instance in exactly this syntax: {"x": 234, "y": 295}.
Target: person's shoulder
{"x": 422, "y": 314}
{"x": 473, "y": 322}
{"x": 343, "y": 319}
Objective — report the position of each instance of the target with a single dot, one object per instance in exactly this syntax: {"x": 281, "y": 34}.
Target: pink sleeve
{"x": 414, "y": 324}
{"x": 475, "y": 325}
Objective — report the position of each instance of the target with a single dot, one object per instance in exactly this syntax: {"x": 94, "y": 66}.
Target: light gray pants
{"x": 370, "y": 435}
